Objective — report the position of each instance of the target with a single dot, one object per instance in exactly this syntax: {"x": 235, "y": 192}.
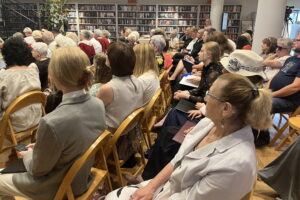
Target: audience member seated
{"x": 207, "y": 24}
{"x": 133, "y": 38}
{"x": 268, "y": 47}
{"x": 102, "y": 73}
{"x": 106, "y": 34}
{"x": 174, "y": 41}
{"x": 146, "y": 70}
{"x": 37, "y": 36}
{"x": 242, "y": 43}
{"x": 96, "y": 44}
{"x": 158, "y": 42}
{"x": 63, "y": 41}
{"x": 73, "y": 36}
{"x": 48, "y": 38}
{"x": 282, "y": 173}
{"x": 39, "y": 52}
{"x": 28, "y": 33}
{"x": 195, "y": 36}
{"x": 286, "y": 83}
{"x": 186, "y": 38}
{"x": 99, "y": 36}
{"x": 16, "y": 80}
{"x": 86, "y": 45}
{"x": 217, "y": 159}
{"x": 121, "y": 95}
{"x": 61, "y": 139}
{"x": 274, "y": 62}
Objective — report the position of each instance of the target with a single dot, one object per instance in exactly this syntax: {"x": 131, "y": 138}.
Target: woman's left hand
{"x": 194, "y": 114}
{"x": 184, "y": 94}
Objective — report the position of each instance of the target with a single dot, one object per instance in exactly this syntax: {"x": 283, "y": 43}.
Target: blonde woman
{"x": 146, "y": 70}
{"x": 63, "y": 135}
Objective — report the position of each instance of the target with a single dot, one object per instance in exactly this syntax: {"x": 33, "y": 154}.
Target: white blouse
{"x": 150, "y": 84}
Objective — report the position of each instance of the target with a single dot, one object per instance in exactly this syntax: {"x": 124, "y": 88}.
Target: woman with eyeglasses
{"x": 217, "y": 159}
{"x": 274, "y": 62}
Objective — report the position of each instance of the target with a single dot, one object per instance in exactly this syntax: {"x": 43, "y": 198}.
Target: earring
{"x": 222, "y": 123}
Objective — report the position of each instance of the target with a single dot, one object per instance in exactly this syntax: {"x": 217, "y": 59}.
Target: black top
{"x": 43, "y": 68}
{"x": 286, "y": 76}
{"x": 209, "y": 74}
{"x": 196, "y": 48}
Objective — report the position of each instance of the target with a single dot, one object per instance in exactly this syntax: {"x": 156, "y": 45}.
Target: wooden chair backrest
{"x": 22, "y": 101}
{"x": 134, "y": 118}
{"x": 98, "y": 145}
{"x": 150, "y": 106}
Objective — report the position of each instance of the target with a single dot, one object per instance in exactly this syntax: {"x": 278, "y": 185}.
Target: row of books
{"x": 96, "y": 14}
{"x": 179, "y": 22}
{"x": 97, "y": 21}
{"x": 96, "y": 7}
{"x": 177, "y": 15}
{"x": 232, "y": 8}
{"x": 179, "y": 8}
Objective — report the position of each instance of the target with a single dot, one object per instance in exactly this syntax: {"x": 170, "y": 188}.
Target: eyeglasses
{"x": 280, "y": 48}
{"x": 214, "y": 97}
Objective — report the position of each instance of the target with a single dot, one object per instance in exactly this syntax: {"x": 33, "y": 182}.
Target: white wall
{"x": 295, "y": 3}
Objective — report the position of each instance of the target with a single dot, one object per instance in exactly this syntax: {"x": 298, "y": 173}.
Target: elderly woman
{"x": 60, "y": 138}
{"x": 217, "y": 159}
{"x": 158, "y": 42}
{"x": 133, "y": 38}
{"x": 174, "y": 40}
{"x": 17, "y": 79}
{"x": 99, "y": 36}
{"x": 118, "y": 94}
{"x": 276, "y": 61}
{"x": 37, "y": 36}
{"x": 146, "y": 70}
{"x": 39, "y": 52}
{"x": 85, "y": 44}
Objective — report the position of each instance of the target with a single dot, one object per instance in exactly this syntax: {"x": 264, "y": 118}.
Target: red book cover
{"x": 180, "y": 135}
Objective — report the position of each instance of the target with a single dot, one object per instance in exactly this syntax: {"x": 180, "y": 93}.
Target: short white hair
{"x": 98, "y": 33}
{"x": 27, "y": 30}
{"x": 106, "y": 33}
{"x": 73, "y": 36}
{"x": 133, "y": 36}
{"x": 41, "y": 48}
{"x": 87, "y": 34}
{"x": 159, "y": 42}
{"x": 37, "y": 34}
{"x": 63, "y": 41}
{"x": 47, "y": 35}
{"x": 18, "y": 35}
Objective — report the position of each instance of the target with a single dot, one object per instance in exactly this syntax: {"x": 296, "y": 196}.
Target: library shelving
{"x": 204, "y": 14}
{"x": 234, "y": 22}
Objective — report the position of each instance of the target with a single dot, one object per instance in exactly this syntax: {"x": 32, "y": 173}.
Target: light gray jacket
{"x": 63, "y": 135}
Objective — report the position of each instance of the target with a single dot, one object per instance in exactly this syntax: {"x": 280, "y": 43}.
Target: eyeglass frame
{"x": 279, "y": 48}
{"x": 207, "y": 93}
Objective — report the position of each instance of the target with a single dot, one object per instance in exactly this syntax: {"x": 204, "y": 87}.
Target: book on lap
{"x": 180, "y": 135}
{"x": 14, "y": 167}
{"x": 185, "y": 105}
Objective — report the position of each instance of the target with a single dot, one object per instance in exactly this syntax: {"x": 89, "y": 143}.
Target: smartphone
{"x": 21, "y": 147}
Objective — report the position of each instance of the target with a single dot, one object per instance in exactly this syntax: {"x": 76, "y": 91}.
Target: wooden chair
{"x": 294, "y": 123}
{"x": 134, "y": 119}
{"x": 166, "y": 91}
{"x": 151, "y": 114}
{"x": 26, "y": 99}
{"x": 99, "y": 175}
{"x": 282, "y": 129}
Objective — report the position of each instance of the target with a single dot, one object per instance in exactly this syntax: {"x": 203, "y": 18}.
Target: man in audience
{"x": 48, "y": 38}
{"x": 28, "y": 33}
{"x": 286, "y": 83}
{"x": 186, "y": 38}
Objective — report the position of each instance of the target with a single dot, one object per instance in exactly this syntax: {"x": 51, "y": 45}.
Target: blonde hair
{"x": 214, "y": 49}
{"x": 253, "y": 105}
{"x": 68, "y": 65}
{"x": 145, "y": 59}
{"x": 73, "y": 36}
{"x": 37, "y": 34}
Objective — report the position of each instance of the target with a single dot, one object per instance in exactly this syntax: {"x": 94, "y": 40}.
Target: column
{"x": 269, "y": 21}
{"x": 216, "y": 12}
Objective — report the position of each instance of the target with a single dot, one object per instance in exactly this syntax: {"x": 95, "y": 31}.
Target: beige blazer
{"x": 224, "y": 169}
{"x": 63, "y": 135}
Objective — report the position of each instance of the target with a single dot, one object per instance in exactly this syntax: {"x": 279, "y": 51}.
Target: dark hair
{"x": 241, "y": 41}
{"x": 250, "y": 32}
{"x": 121, "y": 58}
{"x": 16, "y": 52}
{"x": 272, "y": 43}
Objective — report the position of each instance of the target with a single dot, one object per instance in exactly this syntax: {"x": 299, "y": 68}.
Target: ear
{"x": 227, "y": 110}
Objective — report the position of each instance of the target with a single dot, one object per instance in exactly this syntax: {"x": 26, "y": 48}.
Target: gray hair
{"x": 48, "y": 36}
{"x": 73, "y": 36}
{"x": 159, "y": 42}
{"x": 87, "y": 34}
{"x": 287, "y": 42}
{"x": 106, "y": 33}
{"x": 98, "y": 33}
{"x": 27, "y": 30}
{"x": 63, "y": 41}
{"x": 133, "y": 36}
{"x": 41, "y": 48}
{"x": 18, "y": 35}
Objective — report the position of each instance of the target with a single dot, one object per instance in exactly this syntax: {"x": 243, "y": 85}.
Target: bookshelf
{"x": 72, "y": 17}
{"x": 177, "y": 17}
{"x": 97, "y": 16}
{"x": 204, "y": 14}
{"x": 234, "y": 22}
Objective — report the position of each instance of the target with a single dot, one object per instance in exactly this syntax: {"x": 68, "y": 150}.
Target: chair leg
{"x": 278, "y": 134}
{"x": 109, "y": 182}
{"x": 288, "y": 137}
{"x": 118, "y": 167}
{"x": 149, "y": 139}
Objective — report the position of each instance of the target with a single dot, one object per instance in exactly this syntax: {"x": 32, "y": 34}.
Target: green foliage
{"x": 54, "y": 12}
